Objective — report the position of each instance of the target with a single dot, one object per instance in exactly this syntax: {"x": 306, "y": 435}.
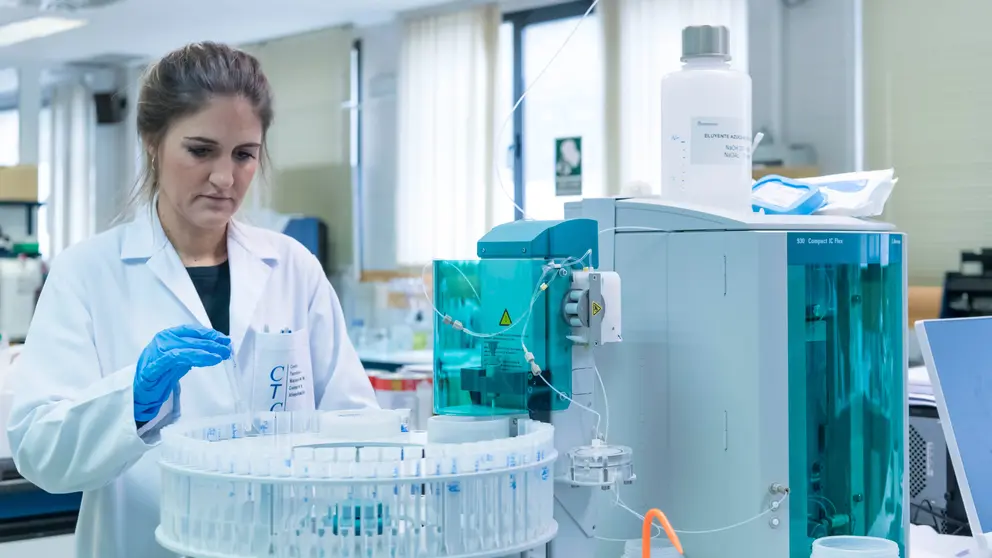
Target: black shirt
{"x": 213, "y": 284}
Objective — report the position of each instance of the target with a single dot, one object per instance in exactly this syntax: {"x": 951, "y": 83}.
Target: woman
{"x": 135, "y": 327}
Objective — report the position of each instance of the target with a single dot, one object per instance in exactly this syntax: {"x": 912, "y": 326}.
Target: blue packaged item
{"x": 778, "y": 195}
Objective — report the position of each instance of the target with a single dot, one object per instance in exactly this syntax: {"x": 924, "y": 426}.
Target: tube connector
{"x": 778, "y": 488}
{"x": 457, "y": 325}
{"x": 529, "y": 357}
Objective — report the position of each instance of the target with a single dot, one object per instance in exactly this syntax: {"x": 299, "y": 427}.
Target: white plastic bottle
{"x": 706, "y": 125}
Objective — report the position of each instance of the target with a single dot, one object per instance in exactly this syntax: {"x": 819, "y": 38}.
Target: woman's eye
{"x": 198, "y": 151}
{"x": 245, "y": 155}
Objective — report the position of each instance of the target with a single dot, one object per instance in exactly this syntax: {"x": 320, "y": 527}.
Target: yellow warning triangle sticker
{"x": 505, "y": 320}
{"x": 596, "y": 308}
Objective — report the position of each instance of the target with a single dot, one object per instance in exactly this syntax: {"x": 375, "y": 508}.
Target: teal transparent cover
{"x": 487, "y": 374}
{"x": 847, "y": 400}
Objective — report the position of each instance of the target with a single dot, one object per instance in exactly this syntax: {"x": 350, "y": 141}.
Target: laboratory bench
{"x": 28, "y": 512}
{"x": 394, "y": 360}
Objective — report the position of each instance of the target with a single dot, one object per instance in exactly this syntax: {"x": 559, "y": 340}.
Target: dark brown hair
{"x": 181, "y": 84}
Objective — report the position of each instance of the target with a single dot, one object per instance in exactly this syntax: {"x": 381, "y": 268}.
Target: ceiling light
{"x": 35, "y": 28}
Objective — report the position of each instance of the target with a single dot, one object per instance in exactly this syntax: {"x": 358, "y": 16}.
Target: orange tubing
{"x": 646, "y": 533}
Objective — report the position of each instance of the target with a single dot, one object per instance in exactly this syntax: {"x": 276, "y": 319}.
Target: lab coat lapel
{"x": 251, "y": 257}
{"x": 167, "y": 266}
{"x": 145, "y": 239}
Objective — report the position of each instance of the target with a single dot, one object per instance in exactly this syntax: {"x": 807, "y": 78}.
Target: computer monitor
{"x": 958, "y": 357}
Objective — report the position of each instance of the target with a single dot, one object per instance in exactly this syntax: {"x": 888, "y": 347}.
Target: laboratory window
{"x": 554, "y": 143}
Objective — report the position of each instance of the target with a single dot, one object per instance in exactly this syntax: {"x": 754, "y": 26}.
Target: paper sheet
{"x": 924, "y": 542}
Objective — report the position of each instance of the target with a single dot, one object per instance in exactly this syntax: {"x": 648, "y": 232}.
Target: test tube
{"x": 454, "y": 531}
{"x": 434, "y": 518}
{"x": 183, "y": 503}
{"x": 520, "y": 502}
{"x": 509, "y": 496}
{"x": 488, "y": 502}
{"x": 261, "y": 509}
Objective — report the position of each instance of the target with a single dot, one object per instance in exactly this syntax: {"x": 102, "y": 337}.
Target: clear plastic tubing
{"x": 660, "y": 548}
{"x": 706, "y": 125}
{"x": 854, "y": 547}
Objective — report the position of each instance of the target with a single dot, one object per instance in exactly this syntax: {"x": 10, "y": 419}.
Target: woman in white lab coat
{"x": 135, "y": 326}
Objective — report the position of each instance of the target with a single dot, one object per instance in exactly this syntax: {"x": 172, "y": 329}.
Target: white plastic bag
{"x": 283, "y": 377}
{"x": 855, "y": 194}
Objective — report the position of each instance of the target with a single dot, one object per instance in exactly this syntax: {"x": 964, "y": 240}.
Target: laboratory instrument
{"x": 21, "y": 279}
{"x": 7, "y": 356}
{"x": 355, "y": 483}
{"x": 706, "y": 125}
{"x": 967, "y": 291}
{"x": 956, "y": 353}
{"x": 761, "y": 354}
{"x": 542, "y": 309}
{"x": 660, "y": 548}
{"x": 313, "y": 234}
{"x": 758, "y": 385}
{"x": 935, "y": 497}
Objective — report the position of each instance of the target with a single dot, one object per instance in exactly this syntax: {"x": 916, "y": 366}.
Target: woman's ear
{"x": 151, "y": 145}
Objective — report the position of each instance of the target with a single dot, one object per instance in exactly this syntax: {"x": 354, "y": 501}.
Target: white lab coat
{"x": 72, "y": 425}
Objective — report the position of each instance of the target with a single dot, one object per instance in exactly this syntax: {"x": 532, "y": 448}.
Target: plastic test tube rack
{"x": 352, "y": 484}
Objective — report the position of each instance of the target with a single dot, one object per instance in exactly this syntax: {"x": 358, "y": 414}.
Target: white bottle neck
{"x": 706, "y": 63}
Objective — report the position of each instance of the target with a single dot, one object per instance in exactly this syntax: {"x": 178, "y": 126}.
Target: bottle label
{"x": 719, "y": 141}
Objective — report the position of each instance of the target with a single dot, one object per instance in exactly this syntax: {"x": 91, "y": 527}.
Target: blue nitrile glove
{"x": 170, "y": 355}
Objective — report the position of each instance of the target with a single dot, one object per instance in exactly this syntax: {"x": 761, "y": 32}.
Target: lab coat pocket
{"x": 283, "y": 376}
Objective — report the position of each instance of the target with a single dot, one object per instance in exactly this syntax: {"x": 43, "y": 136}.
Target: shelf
{"x": 12, "y": 203}
{"x": 30, "y": 206}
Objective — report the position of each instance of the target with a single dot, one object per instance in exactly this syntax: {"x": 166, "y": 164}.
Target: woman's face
{"x": 207, "y": 160}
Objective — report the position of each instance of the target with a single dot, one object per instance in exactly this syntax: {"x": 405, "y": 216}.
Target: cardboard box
{"x": 924, "y": 303}
{"x": 19, "y": 183}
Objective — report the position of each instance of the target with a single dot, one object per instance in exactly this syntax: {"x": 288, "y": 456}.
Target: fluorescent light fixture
{"x": 35, "y": 28}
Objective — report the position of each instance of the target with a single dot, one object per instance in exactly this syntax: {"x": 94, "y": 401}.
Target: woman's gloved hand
{"x": 170, "y": 355}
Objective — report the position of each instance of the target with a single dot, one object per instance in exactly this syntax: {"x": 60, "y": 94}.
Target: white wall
{"x": 820, "y": 80}
{"x": 766, "y": 64}
{"x": 309, "y": 142}
{"x": 927, "y": 116}
{"x": 380, "y": 61}
{"x": 29, "y": 90}
{"x": 113, "y": 172}
{"x": 111, "y": 185}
